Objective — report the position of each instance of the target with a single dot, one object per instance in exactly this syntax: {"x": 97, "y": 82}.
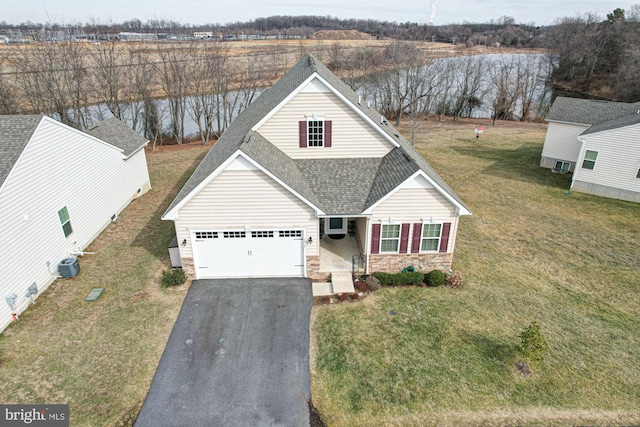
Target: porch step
{"x": 341, "y": 283}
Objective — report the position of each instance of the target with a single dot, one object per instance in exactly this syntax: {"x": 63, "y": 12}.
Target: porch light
{"x": 310, "y": 240}
{"x": 184, "y": 242}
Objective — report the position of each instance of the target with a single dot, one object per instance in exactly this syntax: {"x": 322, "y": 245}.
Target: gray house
{"x": 599, "y": 141}
{"x": 308, "y": 171}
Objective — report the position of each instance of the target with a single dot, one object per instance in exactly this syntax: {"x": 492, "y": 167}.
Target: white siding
{"x": 351, "y": 136}
{"x": 239, "y": 198}
{"x": 561, "y": 141}
{"x": 59, "y": 167}
{"x": 618, "y": 159}
{"x": 414, "y": 205}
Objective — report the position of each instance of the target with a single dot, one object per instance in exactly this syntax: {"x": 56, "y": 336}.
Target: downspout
{"x": 580, "y": 156}
{"x": 367, "y": 246}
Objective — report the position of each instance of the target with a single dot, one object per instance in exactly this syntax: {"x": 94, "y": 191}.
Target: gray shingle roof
{"x": 631, "y": 119}
{"x": 588, "y": 111}
{"x": 342, "y": 186}
{"x": 335, "y": 186}
{"x": 15, "y": 133}
{"x": 118, "y": 134}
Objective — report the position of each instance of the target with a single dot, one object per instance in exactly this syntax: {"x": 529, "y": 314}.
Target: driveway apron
{"x": 238, "y": 355}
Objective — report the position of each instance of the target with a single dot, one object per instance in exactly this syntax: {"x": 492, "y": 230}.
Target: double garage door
{"x": 255, "y": 253}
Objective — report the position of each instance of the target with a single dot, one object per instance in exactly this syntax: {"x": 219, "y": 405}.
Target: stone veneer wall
{"x": 188, "y": 267}
{"x": 313, "y": 269}
{"x": 395, "y": 263}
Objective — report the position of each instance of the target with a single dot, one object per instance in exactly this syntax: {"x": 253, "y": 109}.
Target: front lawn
{"x": 530, "y": 251}
{"x": 100, "y": 357}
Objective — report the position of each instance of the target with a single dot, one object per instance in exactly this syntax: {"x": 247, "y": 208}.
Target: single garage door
{"x": 255, "y": 253}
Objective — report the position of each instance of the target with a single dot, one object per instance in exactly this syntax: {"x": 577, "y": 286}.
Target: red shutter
{"x": 444, "y": 239}
{"x": 375, "y": 239}
{"x": 302, "y": 127}
{"x": 327, "y": 133}
{"x": 417, "y": 238}
{"x": 404, "y": 238}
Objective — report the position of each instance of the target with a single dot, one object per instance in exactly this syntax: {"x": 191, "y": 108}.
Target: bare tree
{"x": 109, "y": 75}
{"x": 174, "y": 80}
{"x": 470, "y": 77}
{"x": 505, "y": 90}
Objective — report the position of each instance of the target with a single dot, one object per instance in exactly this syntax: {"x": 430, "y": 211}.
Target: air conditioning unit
{"x": 69, "y": 267}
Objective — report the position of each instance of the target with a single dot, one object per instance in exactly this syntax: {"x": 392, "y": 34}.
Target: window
{"x": 234, "y": 234}
{"x": 290, "y": 233}
{"x": 638, "y": 174}
{"x": 430, "y": 237}
{"x": 589, "y": 161}
{"x": 65, "y": 221}
{"x": 206, "y": 235}
{"x": 315, "y": 133}
{"x": 390, "y": 238}
{"x": 261, "y": 234}
{"x": 562, "y": 167}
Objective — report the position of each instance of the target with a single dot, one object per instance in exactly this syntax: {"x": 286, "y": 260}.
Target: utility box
{"x": 69, "y": 267}
{"x": 174, "y": 254}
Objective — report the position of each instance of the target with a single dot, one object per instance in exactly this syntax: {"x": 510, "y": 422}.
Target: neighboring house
{"x": 599, "y": 142}
{"x": 306, "y": 173}
{"x": 59, "y": 188}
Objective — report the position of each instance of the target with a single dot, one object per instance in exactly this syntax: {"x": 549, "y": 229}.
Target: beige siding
{"x": 414, "y": 205}
{"x": 239, "y": 198}
{"x": 561, "y": 142}
{"x": 59, "y": 167}
{"x": 351, "y": 136}
{"x": 618, "y": 159}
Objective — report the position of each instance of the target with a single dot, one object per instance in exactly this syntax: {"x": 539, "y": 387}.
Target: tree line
{"x": 598, "y": 56}
{"x": 156, "y": 87}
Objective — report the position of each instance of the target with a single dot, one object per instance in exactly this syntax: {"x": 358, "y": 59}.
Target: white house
{"x": 59, "y": 188}
{"x": 308, "y": 181}
{"x": 598, "y": 142}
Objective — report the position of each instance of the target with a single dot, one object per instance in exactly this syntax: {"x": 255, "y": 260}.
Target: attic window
{"x": 315, "y": 132}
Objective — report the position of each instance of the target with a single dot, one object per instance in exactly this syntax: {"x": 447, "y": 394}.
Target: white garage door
{"x": 256, "y": 253}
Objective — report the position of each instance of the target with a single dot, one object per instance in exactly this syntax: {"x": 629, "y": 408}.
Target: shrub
{"x": 383, "y": 278}
{"x": 453, "y": 279}
{"x": 173, "y": 277}
{"x": 399, "y": 279}
{"x": 532, "y": 343}
{"x": 434, "y": 278}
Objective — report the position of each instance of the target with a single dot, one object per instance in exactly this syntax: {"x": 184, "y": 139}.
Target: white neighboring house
{"x": 59, "y": 188}
{"x": 599, "y": 142}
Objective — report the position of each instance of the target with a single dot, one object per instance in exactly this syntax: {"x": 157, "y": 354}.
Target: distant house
{"x": 599, "y": 142}
{"x": 59, "y": 188}
{"x": 310, "y": 181}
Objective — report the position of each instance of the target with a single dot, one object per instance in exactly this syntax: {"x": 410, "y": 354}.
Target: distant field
{"x": 529, "y": 251}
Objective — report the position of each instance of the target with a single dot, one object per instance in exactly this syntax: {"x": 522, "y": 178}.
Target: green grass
{"x": 529, "y": 251}
{"x": 100, "y": 357}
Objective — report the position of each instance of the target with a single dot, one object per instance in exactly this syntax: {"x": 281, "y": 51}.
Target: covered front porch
{"x": 340, "y": 255}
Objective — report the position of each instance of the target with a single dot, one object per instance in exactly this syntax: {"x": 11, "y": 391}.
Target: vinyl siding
{"x": 561, "y": 142}
{"x": 351, "y": 136}
{"x": 59, "y": 167}
{"x": 238, "y": 198}
{"x": 618, "y": 159}
{"x": 413, "y": 205}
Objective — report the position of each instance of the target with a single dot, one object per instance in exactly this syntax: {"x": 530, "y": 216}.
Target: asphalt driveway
{"x": 238, "y": 355}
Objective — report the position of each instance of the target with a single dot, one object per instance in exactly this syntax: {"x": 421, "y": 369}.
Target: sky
{"x": 438, "y": 12}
